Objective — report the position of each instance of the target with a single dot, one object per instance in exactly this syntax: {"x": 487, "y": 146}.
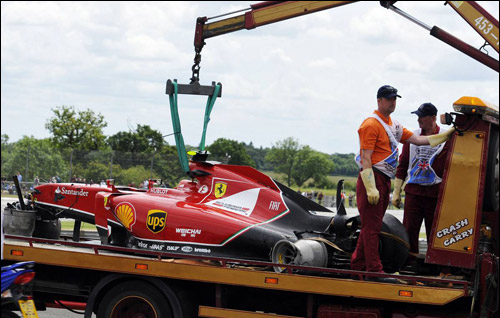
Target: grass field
{"x": 68, "y": 224}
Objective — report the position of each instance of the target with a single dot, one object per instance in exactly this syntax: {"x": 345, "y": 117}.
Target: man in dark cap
{"x": 424, "y": 167}
{"x": 379, "y": 136}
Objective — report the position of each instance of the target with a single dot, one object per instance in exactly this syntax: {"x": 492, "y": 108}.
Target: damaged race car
{"x": 227, "y": 211}
{"x": 221, "y": 211}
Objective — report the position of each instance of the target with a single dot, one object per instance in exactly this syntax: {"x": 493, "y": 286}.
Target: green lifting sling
{"x": 173, "y": 89}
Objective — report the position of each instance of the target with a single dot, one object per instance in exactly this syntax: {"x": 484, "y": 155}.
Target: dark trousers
{"x": 366, "y": 256}
{"x": 417, "y": 209}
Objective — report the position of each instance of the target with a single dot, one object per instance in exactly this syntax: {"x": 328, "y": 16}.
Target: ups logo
{"x": 156, "y": 221}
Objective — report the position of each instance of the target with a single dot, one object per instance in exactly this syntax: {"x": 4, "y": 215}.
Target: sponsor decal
{"x": 220, "y": 189}
{"x": 241, "y": 203}
{"x": 106, "y": 203}
{"x": 190, "y": 232}
{"x": 457, "y": 232}
{"x": 158, "y": 190}
{"x": 231, "y": 207}
{"x": 151, "y": 246}
{"x": 203, "y": 189}
{"x": 78, "y": 192}
{"x": 156, "y": 220}
{"x": 202, "y": 250}
{"x": 125, "y": 213}
{"x": 274, "y": 205}
{"x": 156, "y": 246}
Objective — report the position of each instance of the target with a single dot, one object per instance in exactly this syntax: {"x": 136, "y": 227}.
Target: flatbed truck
{"x": 117, "y": 281}
{"x": 108, "y": 277}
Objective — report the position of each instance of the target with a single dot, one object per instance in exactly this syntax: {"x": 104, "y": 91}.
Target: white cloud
{"x": 313, "y": 77}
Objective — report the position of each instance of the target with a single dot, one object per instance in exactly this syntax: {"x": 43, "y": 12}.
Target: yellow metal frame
{"x": 487, "y": 29}
{"x": 204, "y": 272}
{"x": 456, "y": 220}
{"x": 266, "y": 15}
{"x": 212, "y": 312}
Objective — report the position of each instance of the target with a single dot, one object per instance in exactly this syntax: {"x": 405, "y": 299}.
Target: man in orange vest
{"x": 379, "y": 136}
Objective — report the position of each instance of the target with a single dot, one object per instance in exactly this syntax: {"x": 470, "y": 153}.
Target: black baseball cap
{"x": 387, "y": 91}
{"x": 426, "y": 109}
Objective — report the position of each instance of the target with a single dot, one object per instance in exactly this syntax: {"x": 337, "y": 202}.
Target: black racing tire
{"x": 9, "y": 314}
{"x": 491, "y": 199}
{"x": 48, "y": 229}
{"x": 133, "y": 298}
{"x": 119, "y": 237}
{"x": 394, "y": 244}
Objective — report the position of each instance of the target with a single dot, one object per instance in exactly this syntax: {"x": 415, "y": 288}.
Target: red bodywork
{"x": 224, "y": 204}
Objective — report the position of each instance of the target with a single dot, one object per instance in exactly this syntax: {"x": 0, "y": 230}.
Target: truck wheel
{"x": 9, "y": 314}
{"x": 134, "y": 299}
{"x": 491, "y": 199}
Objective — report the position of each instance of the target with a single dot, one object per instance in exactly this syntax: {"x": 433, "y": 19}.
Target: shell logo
{"x": 125, "y": 213}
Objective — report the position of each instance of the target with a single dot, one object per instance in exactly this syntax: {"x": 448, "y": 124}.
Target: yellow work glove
{"x": 396, "y": 194}
{"x": 369, "y": 181}
{"x": 435, "y": 140}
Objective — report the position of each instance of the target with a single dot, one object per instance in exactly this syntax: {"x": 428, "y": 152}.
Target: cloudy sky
{"x": 313, "y": 78}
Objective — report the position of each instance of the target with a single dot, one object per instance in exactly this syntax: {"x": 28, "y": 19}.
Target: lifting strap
{"x": 173, "y": 89}
{"x": 208, "y": 110}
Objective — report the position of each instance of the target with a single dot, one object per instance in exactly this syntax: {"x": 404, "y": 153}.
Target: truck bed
{"x": 92, "y": 255}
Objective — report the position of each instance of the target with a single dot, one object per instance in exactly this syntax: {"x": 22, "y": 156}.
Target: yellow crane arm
{"x": 259, "y": 14}
{"x": 479, "y": 19}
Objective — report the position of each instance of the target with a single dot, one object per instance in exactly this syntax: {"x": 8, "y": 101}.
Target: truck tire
{"x": 134, "y": 299}
{"x": 491, "y": 200}
{"x": 9, "y": 314}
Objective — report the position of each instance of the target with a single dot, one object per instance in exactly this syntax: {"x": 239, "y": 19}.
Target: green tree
{"x": 283, "y": 154}
{"x": 74, "y": 129}
{"x": 135, "y": 147}
{"x": 231, "y": 152}
{"x": 6, "y": 152}
{"x": 142, "y": 139}
{"x": 92, "y": 171}
{"x": 167, "y": 167}
{"x": 344, "y": 164}
{"x": 300, "y": 163}
{"x": 134, "y": 176}
{"x": 34, "y": 157}
{"x": 259, "y": 157}
{"x": 311, "y": 164}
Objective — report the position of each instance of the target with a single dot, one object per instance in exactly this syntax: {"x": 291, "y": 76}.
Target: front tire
{"x": 134, "y": 299}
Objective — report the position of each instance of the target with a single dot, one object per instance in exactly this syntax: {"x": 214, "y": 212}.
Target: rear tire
{"x": 394, "y": 246}
{"x": 134, "y": 299}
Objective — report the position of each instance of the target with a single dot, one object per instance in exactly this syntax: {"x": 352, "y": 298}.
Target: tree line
{"x": 78, "y": 148}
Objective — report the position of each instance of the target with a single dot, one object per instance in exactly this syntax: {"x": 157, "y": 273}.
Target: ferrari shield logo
{"x": 156, "y": 221}
{"x": 220, "y": 189}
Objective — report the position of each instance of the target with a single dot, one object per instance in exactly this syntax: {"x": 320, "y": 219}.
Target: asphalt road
{"x": 58, "y": 313}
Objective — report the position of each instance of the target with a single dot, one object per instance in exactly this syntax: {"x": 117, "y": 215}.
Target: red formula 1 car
{"x": 225, "y": 210}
